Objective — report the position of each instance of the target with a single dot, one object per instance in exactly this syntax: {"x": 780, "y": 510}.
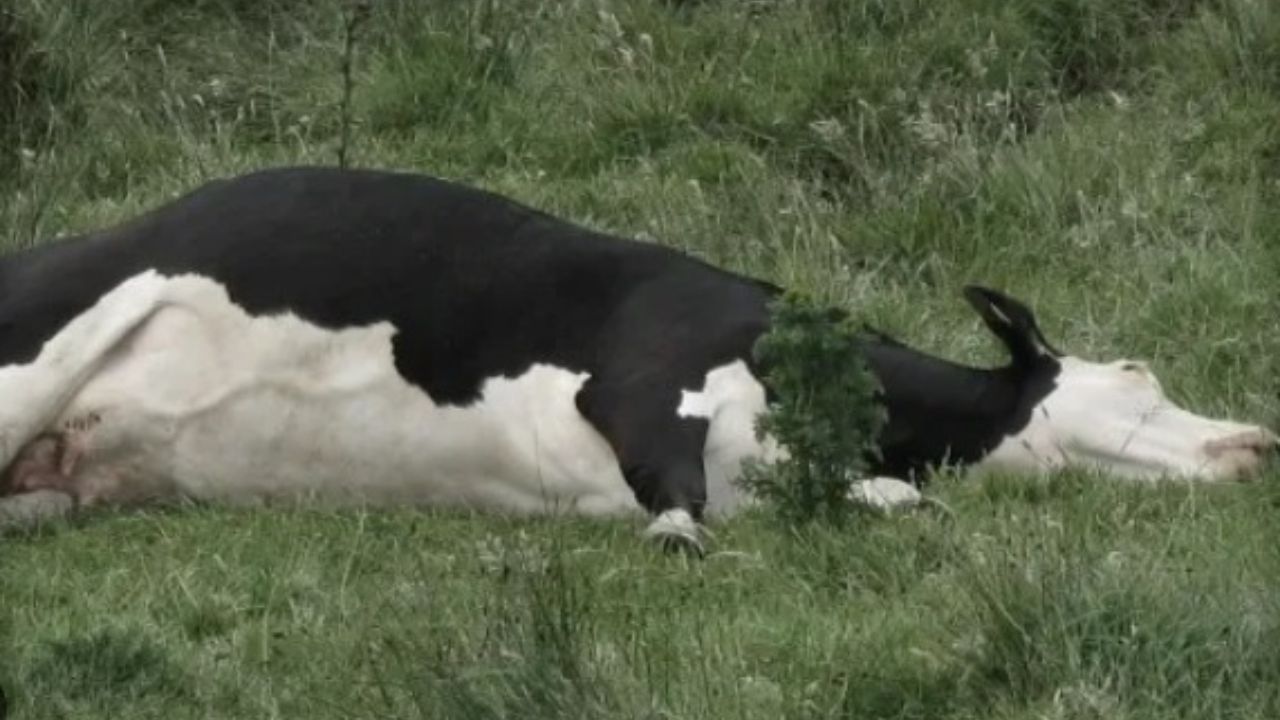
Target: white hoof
{"x": 885, "y": 494}
{"x": 676, "y": 530}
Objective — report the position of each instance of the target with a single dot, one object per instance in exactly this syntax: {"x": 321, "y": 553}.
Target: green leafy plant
{"x": 824, "y": 413}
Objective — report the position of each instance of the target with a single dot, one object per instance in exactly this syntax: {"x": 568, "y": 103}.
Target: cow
{"x": 386, "y": 338}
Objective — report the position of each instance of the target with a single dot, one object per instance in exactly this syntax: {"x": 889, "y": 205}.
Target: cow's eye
{"x": 1133, "y": 367}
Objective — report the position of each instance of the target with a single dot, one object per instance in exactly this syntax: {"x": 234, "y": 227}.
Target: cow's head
{"x": 1112, "y": 416}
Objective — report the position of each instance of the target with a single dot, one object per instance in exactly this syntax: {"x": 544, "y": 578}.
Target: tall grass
{"x": 1115, "y": 164}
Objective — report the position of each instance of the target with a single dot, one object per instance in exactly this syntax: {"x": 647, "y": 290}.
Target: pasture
{"x": 1114, "y": 164}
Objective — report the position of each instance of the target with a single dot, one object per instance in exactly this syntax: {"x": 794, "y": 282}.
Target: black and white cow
{"x": 387, "y": 338}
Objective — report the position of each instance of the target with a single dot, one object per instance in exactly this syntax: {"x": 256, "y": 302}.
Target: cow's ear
{"x": 1012, "y": 322}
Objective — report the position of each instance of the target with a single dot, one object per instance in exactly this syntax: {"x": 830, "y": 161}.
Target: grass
{"x": 1065, "y": 599}
{"x": 1115, "y": 164}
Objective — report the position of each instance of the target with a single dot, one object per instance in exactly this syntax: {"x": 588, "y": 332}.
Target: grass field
{"x": 1115, "y": 163}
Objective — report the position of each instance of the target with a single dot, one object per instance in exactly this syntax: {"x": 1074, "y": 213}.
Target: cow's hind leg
{"x": 35, "y": 393}
{"x": 660, "y": 454}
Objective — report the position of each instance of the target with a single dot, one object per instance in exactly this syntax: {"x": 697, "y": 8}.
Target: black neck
{"x": 943, "y": 412}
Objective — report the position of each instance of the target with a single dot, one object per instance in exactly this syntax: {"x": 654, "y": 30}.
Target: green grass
{"x": 1114, "y": 163}
{"x": 1066, "y": 599}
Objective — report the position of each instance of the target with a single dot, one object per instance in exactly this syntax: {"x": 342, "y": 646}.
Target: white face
{"x": 1115, "y": 417}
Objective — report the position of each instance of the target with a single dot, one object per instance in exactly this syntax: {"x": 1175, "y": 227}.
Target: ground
{"x": 1114, "y": 164}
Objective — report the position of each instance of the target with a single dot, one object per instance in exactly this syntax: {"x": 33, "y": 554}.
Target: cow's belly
{"x": 207, "y": 402}
{"x": 521, "y": 449}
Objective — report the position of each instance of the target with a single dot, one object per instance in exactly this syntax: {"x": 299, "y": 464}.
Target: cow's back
{"x": 477, "y": 285}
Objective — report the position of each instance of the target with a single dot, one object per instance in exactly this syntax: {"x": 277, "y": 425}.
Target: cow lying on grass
{"x": 390, "y": 339}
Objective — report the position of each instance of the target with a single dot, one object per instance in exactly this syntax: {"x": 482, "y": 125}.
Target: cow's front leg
{"x": 676, "y": 496}
{"x": 660, "y": 454}
{"x": 676, "y": 529}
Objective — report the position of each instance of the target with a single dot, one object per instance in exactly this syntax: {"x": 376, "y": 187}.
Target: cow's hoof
{"x": 676, "y": 531}
{"x": 886, "y": 494}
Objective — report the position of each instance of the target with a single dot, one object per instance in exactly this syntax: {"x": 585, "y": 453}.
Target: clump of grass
{"x": 1108, "y": 632}
{"x": 16, "y": 84}
{"x": 825, "y": 414}
{"x": 36, "y": 81}
{"x": 1093, "y": 45}
{"x": 127, "y": 664}
{"x": 355, "y": 17}
{"x": 538, "y": 647}
{"x": 6, "y": 652}
{"x": 445, "y": 69}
